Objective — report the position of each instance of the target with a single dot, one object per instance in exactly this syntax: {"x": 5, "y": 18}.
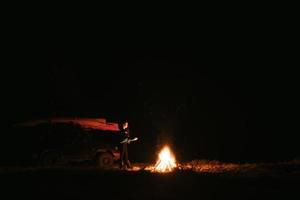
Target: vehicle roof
{"x": 88, "y": 123}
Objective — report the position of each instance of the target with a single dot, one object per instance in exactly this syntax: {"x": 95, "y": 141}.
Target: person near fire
{"x": 124, "y": 146}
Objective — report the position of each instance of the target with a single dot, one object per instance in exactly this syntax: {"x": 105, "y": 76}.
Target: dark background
{"x": 232, "y": 99}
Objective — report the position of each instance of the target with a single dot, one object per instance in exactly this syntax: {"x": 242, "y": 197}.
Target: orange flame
{"x": 166, "y": 161}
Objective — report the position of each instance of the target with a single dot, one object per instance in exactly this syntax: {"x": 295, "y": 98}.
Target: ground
{"x": 221, "y": 181}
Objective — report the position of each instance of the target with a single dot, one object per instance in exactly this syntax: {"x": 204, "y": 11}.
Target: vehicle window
{"x": 67, "y": 133}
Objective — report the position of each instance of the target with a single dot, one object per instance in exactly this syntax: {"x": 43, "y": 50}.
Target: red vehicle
{"x": 62, "y": 140}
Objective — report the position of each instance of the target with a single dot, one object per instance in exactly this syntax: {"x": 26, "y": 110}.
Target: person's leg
{"x": 127, "y": 158}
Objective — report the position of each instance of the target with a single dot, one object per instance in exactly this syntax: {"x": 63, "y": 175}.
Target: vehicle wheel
{"x": 105, "y": 160}
{"x": 50, "y": 159}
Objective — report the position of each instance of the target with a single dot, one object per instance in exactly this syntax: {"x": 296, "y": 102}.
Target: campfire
{"x": 166, "y": 161}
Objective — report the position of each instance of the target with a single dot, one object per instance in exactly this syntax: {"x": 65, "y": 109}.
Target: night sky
{"x": 218, "y": 101}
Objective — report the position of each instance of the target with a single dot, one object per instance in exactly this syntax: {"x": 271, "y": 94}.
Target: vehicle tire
{"x": 50, "y": 159}
{"x": 105, "y": 161}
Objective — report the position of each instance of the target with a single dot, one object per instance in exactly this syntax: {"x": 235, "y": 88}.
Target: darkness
{"x": 231, "y": 101}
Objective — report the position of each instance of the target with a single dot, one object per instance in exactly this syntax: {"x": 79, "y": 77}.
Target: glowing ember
{"x": 166, "y": 161}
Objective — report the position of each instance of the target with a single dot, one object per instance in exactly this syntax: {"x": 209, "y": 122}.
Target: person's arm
{"x": 124, "y": 141}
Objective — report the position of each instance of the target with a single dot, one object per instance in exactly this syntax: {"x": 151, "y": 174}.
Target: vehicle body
{"x": 64, "y": 140}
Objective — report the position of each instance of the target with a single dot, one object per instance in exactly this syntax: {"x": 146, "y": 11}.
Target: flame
{"x": 166, "y": 161}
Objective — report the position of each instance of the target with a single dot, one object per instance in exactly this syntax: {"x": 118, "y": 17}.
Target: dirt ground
{"x": 189, "y": 182}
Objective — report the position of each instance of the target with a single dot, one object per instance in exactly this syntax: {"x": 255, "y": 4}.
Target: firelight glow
{"x": 166, "y": 161}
